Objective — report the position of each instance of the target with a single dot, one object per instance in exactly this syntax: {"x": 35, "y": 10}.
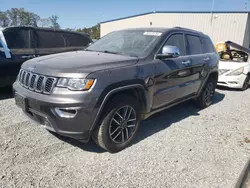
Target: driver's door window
{"x": 178, "y": 41}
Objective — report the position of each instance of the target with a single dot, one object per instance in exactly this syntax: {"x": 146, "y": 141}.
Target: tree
{"x": 4, "y": 20}
{"x": 44, "y": 22}
{"x": 94, "y": 31}
{"x": 19, "y": 16}
{"x": 54, "y": 22}
{"x": 13, "y": 16}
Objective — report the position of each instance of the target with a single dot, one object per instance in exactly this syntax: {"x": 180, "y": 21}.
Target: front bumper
{"x": 41, "y": 109}
{"x": 232, "y": 81}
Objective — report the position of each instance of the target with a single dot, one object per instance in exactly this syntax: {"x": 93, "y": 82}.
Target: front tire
{"x": 119, "y": 124}
{"x": 246, "y": 83}
{"x": 205, "y": 98}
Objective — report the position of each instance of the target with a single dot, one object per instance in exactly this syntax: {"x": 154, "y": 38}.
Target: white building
{"x": 220, "y": 26}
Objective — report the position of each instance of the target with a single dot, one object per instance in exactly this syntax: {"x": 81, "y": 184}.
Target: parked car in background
{"x": 24, "y": 43}
{"x": 105, "y": 91}
{"x": 234, "y": 65}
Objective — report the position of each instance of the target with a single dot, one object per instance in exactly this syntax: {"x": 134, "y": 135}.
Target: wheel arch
{"x": 214, "y": 75}
{"x": 137, "y": 90}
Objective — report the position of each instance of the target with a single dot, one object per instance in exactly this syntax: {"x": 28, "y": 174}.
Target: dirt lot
{"x": 180, "y": 147}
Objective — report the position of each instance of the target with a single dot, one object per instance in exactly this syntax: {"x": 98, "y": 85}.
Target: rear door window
{"x": 50, "y": 39}
{"x": 207, "y": 46}
{"x": 17, "y": 38}
{"x": 178, "y": 41}
{"x": 193, "y": 45}
{"x": 76, "y": 40}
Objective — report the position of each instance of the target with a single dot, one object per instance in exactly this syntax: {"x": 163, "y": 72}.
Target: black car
{"x": 18, "y": 44}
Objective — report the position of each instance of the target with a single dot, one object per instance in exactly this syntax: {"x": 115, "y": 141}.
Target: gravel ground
{"x": 180, "y": 147}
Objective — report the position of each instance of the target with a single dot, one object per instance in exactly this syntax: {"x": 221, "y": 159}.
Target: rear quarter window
{"x": 193, "y": 45}
{"x": 74, "y": 39}
{"x": 50, "y": 39}
{"x": 207, "y": 46}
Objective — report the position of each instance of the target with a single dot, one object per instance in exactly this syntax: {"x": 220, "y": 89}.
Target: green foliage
{"x": 21, "y": 17}
{"x": 54, "y": 23}
{"x": 94, "y": 31}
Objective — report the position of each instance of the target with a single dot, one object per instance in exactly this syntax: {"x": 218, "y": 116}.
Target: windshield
{"x": 129, "y": 42}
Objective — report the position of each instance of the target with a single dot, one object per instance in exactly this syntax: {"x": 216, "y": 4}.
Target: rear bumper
{"x": 232, "y": 81}
{"x": 41, "y": 109}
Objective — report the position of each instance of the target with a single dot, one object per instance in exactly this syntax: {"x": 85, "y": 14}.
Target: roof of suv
{"x": 165, "y": 29}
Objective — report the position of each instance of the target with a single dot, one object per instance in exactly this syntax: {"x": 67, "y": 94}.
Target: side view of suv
{"x": 105, "y": 91}
{"x": 23, "y": 43}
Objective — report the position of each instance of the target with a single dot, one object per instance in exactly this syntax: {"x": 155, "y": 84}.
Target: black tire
{"x": 205, "y": 98}
{"x": 104, "y": 134}
{"x": 246, "y": 83}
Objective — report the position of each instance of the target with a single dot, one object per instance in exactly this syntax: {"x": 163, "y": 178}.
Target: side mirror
{"x": 169, "y": 52}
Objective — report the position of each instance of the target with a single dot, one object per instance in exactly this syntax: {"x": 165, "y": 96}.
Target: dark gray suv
{"x": 105, "y": 91}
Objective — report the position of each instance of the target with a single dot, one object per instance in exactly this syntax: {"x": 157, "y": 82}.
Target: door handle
{"x": 28, "y": 56}
{"x": 188, "y": 62}
{"x": 206, "y": 59}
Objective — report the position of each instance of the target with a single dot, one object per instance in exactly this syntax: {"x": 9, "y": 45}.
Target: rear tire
{"x": 119, "y": 123}
{"x": 205, "y": 98}
{"x": 246, "y": 83}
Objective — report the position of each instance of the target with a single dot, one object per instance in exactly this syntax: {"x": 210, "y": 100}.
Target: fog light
{"x": 66, "y": 112}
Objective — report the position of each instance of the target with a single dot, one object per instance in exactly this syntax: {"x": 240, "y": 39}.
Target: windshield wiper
{"x": 109, "y": 52}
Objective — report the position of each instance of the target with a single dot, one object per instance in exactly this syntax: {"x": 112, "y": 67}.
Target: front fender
{"x": 115, "y": 88}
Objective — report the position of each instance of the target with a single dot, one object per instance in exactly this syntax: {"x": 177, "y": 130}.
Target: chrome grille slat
{"x": 36, "y": 82}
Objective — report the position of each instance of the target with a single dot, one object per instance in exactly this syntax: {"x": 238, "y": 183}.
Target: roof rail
{"x": 178, "y": 27}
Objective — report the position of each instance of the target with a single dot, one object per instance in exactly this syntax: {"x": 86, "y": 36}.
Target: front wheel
{"x": 246, "y": 83}
{"x": 119, "y": 124}
{"x": 205, "y": 98}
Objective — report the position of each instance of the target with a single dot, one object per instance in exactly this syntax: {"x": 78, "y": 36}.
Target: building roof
{"x": 183, "y": 12}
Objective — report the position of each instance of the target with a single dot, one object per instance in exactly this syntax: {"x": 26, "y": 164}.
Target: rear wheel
{"x": 119, "y": 124}
{"x": 205, "y": 98}
{"x": 246, "y": 83}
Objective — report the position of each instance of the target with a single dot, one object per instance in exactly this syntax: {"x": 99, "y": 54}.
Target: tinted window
{"x": 207, "y": 46}
{"x": 17, "y": 38}
{"x": 178, "y": 41}
{"x": 76, "y": 39}
{"x": 50, "y": 39}
{"x": 194, "y": 44}
{"x": 1, "y": 46}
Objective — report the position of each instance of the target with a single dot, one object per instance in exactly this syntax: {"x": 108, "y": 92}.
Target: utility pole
{"x": 212, "y": 18}
{"x": 212, "y": 11}
{"x": 246, "y": 4}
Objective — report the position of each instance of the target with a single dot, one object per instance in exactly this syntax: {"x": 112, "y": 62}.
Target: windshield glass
{"x": 129, "y": 42}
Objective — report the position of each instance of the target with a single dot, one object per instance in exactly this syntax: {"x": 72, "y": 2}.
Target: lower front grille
{"x": 36, "y": 82}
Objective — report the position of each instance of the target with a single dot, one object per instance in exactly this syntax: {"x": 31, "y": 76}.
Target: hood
{"x": 231, "y": 65}
{"x": 76, "y": 62}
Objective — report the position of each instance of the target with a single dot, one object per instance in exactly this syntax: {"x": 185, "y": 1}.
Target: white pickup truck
{"x": 234, "y": 65}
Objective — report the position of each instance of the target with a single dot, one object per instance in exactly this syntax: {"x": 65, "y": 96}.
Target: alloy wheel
{"x": 123, "y": 124}
{"x": 209, "y": 92}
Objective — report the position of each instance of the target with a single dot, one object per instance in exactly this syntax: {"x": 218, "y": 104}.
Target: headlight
{"x": 236, "y": 72}
{"x": 76, "y": 84}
